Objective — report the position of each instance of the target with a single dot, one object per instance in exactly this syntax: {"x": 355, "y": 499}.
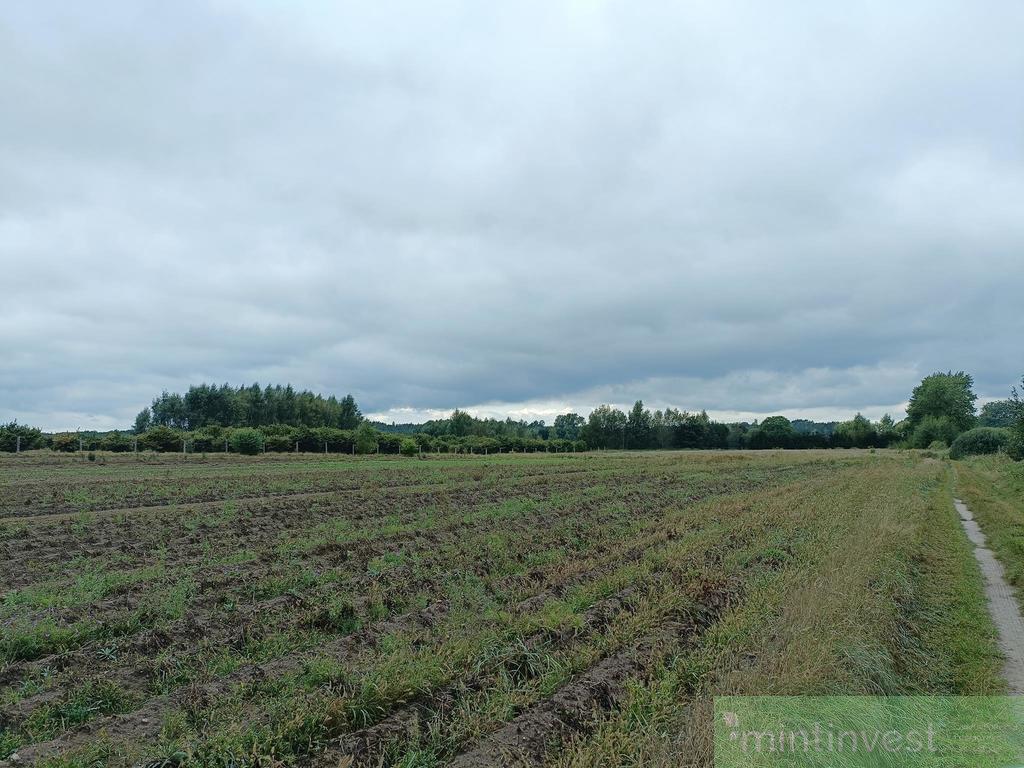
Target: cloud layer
{"x": 737, "y": 206}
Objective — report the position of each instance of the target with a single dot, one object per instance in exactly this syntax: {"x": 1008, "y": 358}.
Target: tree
{"x": 366, "y": 439}
{"x": 856, "y": 433}
{"x": 947, "y": 396}
{"x": 460, "y": 423}
{"x": 1015, "y": 448}
{"x": 409, "y": 447}
{"x": 161, "y": 438}
{"x": 887, "y": 431}
{"x": 143, "y": 421}
{"x": 1000, "y": 413}
{"x": 568, "y": 426}
{"x": 605, "y": 427}
{"x": 9, "y": 434}
{"x": 639, "y": 426}
{"x": 348, "y": 413}
{"x": 773, "y": 432}
{"x": 934, "y": 429}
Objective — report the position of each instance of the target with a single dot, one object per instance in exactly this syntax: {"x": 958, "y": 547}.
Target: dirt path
{"x": 1001, "y": 603}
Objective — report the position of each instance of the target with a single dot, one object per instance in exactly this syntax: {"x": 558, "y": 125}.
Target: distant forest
{"x": 252, "y": 419}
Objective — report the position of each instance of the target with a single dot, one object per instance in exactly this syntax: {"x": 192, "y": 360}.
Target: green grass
{"x": 993, "y": 489}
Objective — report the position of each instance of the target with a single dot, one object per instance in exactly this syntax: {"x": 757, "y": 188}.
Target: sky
{"x": 515, "y": 208}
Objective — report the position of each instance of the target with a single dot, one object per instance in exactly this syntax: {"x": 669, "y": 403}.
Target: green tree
{"x": 143, "y": 421}
{"x": 856, "y": 433}
{"x": 606, "y": 428}
{"x": 169, "y": 411}
{"x": 568, "y": 426}
{"x": 1000, "y": 413}
{"x": 1015, "y": 448}
{"x": 947, "y": 396}
{"x": 366, "y": 438}
{"x": 639, "y": 426}
{"x": 9, "y": 434}
{"x": 409, "y": 447}
{"x": 887, "y": 431}
{"x": 934, "y": 429}
{"x": 460, "y": 423}
{"x": 773, "y": 432}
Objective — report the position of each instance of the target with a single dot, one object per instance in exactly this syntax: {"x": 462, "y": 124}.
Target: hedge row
{"x": 285, "y": 439}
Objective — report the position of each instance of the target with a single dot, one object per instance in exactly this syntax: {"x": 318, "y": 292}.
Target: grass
{"x": 993, "y": 489}
{"x": 281, "y": 610}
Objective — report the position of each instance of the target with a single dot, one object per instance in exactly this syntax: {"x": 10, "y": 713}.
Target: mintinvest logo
{"x": 869, "y": 731}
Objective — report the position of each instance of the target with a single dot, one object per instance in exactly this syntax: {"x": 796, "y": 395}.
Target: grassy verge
{"x": 993, "y": 488}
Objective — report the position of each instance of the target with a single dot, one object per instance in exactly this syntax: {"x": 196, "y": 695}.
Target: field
{"x": 561, "y": 610}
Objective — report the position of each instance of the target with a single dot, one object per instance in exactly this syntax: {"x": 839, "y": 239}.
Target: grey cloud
{"x": 743, "y": 207}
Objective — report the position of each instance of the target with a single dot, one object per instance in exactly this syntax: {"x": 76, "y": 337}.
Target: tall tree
{"x": 142, "y": 421}
{"x": 640, "y": 427}
{"x": 568, "y": 426}
{"x": 606, "y": 428}
{"x": 944, "y": 396}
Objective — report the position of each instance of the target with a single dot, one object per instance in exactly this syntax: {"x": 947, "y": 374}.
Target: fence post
{"x": 17, "y": 444}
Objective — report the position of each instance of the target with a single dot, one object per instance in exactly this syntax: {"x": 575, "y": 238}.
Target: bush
{"x": 162, "y": 439}
{"x": 977, "y": 442}
{"x": 9, "y": 434}
{"x": 1015, "y": 446}
{"x": 409, "y": 447}
{"x": 934, "y": 429}
{"x": 366, "y": 439}
{"x": 277, "y": 444}
{"x": 66, "y": 442}
{"x": 247, "y": 441}
{"x": 116, "y": 442}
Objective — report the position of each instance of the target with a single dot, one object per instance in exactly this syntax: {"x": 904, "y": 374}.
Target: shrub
{"x": 9, "y": 434}
{"x": 66, "y": 442}
{"x": 116, "y": 442}
{"x": 247, "y": 441}
{"x": 1015, "y": 445}
{"x": 162, "y": 439}
{"x": 934, "y": 429}
{"x": 977, "y": 442}
{"x": 409, "y": 447}
{"x": 278, "y": 443}
{"x": 366, "y": 439}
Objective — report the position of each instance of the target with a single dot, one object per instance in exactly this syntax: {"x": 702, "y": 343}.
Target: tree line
{"x": 253, "y": 419}
{"x": 206, "y": 405}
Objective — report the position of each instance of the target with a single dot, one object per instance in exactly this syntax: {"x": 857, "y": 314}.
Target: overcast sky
{"x": 519, "y": 208}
